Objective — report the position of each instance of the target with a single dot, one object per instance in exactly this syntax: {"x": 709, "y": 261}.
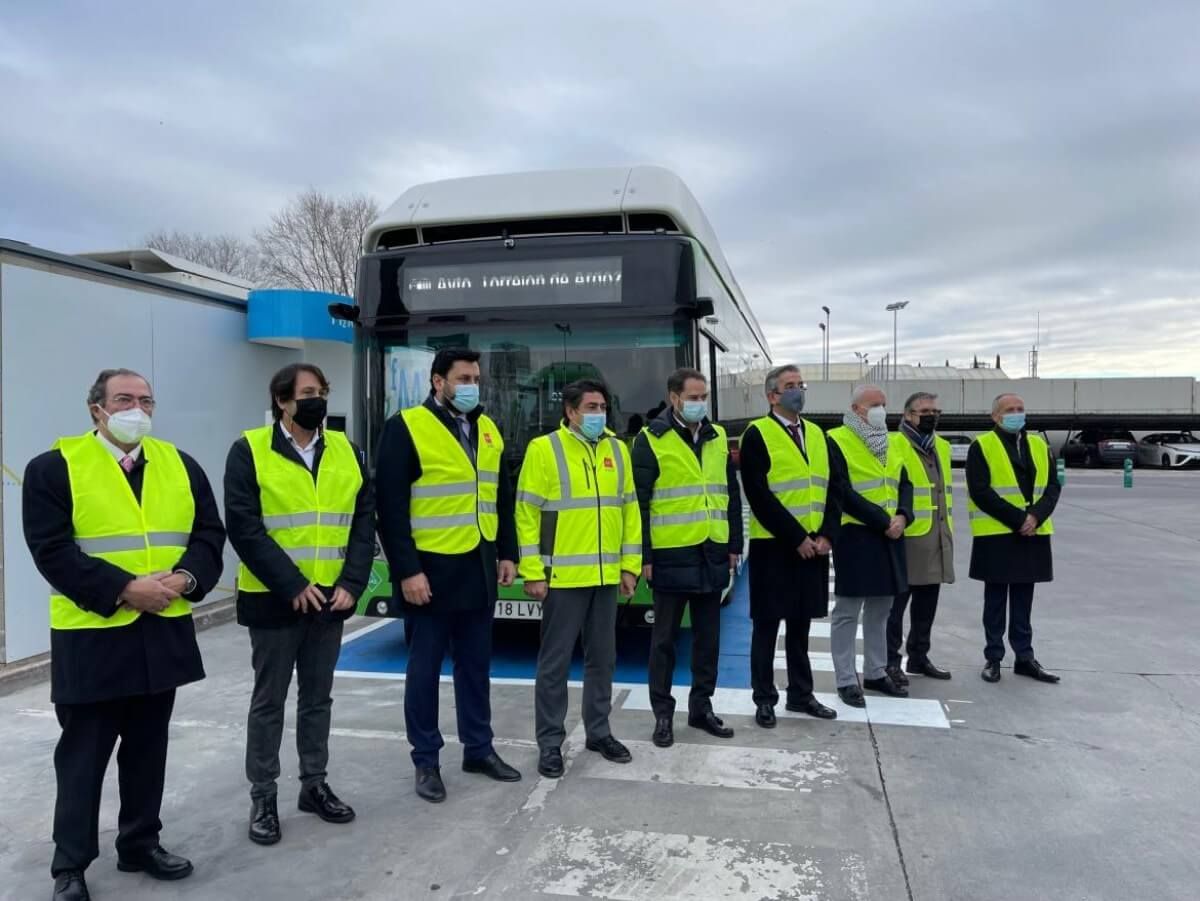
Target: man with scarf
{"x": 928, "y": 540}
{"x": 869, "y": 552}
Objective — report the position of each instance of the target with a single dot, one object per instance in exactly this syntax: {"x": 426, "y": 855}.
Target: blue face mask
{"x": 694, "y": 411}
{"x": 793, "y": 400}
{"x": 592, "y": 426}
{"x": 1012, "y": 422}
{"x": 466, "y": 398}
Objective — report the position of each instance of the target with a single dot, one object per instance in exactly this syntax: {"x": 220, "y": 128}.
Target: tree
{"x": 314, "y": 243}
{"x": 225, "y": 253}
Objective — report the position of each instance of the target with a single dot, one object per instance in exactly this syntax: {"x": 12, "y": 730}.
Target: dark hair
{"x": 444, "y": 360}
{"x": 677, "y": 379}
{"x": 572, "y": 395}
{"x": 98, "y": 393}
{"x": 913, "y": 399}
{"x": 283, "y": 384}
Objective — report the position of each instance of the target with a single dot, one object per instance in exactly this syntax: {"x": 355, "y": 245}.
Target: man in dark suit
{"x": 446, "y": 525}
{"x": 126, "y": 530}
{"x": 795, "y": 514}
{"x": 300, "y": 512}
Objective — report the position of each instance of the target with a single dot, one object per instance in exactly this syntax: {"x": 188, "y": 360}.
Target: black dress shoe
{"x": 886, "y": 686}
{"x": 852, "y": 695}
{"x": 1034, "y": 670}
{"x": 321, "y": 800}
{"x": 664, "y": 732}
{"x": 813, "y": 707}
{"x": 765, "y": 716}
{"x": 70, "y": 886}
{"x": 991, "y": 672}
{"x": 550, "y": 763}
{"x": 429, "y": 784}
{"x": 264, "y": 822}
{"x": 923, "y": 668}
{"x": 610, "y": 749}
{"x": 492, "y": 767}
{"x": 897, "y": 674}
{"x": 712, "y": 724}
{"x": 159, "y": 863}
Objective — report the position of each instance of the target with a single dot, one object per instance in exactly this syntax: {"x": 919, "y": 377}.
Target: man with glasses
{"x": 126, "y": 530}
{"x": 928, "y": 539}
{"x": 300, "y": 511}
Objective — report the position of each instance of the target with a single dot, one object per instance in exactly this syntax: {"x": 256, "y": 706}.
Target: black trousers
{"x": 467, "y": 636}
{"x": 924, "y": 609}
{"x": 706, "y": 649}
{"x": 89, "y": 733}
{"x": 1017, "y": 600}
{"x": 311, "y": 647}
{"x": 763, "y": 639}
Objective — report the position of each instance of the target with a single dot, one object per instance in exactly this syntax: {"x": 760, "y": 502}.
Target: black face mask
{"x": 310, "y": 412}
{"x": 928, "y": 424}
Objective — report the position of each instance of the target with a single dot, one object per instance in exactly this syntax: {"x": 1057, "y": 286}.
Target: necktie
{"x": 794, "y": 431}
{"x": 127, "y": 463}
{"x": 464, "y": 437}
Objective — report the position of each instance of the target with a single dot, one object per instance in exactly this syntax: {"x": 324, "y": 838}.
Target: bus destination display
{"x": 471, "y": 286}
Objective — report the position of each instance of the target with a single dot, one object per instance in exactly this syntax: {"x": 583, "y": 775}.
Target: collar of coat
{"x": 665, "y": 421}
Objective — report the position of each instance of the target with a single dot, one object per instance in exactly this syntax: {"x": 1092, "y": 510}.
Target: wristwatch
{"x": 190, "y": 584}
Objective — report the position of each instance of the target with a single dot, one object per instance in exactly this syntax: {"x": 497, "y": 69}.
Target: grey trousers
{"x": 311, "y": 647}
{"x": 843, "y": 628}
{"x": 567, "y": 614}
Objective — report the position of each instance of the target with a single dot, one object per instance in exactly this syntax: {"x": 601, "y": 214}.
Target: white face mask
{"x": 877, "y": 417}
{"x": 129, "y": 426}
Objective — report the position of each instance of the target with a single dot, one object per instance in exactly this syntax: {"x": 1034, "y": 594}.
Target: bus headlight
{"x": 649, "y": 616}
{"x": 381, "y": 607}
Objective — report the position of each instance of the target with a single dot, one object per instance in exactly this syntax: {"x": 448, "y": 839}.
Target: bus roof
{"x": 557, "y": 195}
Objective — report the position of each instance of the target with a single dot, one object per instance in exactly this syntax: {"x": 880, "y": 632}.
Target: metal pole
{"x": 895, "y": 332}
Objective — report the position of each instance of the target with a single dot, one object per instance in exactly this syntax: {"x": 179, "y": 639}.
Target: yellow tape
{"x": 12, "y": 475}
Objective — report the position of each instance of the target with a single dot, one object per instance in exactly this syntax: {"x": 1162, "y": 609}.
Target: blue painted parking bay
{"x": 381, "y": 652}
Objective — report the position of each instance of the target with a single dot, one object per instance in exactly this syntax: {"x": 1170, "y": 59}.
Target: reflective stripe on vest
{"x": 800, "y": 485}
{"x": 453, "y": 503}
{"x": 1004, "y": 483}
{"x": 877, "y": 482}
{"x": 308, "y": 518}
{"x": 690, "y": 502}
{"x": 111, "y": 525}
{"x": 924, "y": 505}
{"x": 580, "y": 527}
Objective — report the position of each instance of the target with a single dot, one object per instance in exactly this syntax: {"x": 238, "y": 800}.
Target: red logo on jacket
{"x": 608, "y": 463}
{"x": 487, "y": 436}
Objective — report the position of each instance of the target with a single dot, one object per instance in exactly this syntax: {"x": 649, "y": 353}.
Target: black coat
{"x": 1011, "y": 558}
{"x": 458, "y": 581}
{"x": 153, "y": 653}
{"x": 783, "y": 585}
{"x": 702, "y": 568}
{"x": 868, "y": 563}
{"x": 267, "y": 560}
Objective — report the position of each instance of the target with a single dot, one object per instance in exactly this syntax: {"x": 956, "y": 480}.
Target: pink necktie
{"x": 127, "y": 463}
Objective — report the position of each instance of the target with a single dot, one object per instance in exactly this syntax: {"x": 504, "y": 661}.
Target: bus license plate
{"x": 518, "y": 610}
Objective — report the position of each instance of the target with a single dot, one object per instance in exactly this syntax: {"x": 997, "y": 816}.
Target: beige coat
{"x": 931, "y": 556}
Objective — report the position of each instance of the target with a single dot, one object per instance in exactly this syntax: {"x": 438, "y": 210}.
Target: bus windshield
{"x": 524, "y": 366}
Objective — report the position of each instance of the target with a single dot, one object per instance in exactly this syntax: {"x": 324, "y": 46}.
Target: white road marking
{"x": 449, "y": 680}
{"x": 822, "y": 662}
{"x": 818, "y": 629}
{"x": 544, "y": 787}
{"x": 630, "y": 866}
{"x": 719, "y": 766}
{"x": 366, "y": 630}
{"x": 880, "y": 710}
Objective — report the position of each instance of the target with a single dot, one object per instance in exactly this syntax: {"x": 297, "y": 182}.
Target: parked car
{"x": 1100, "y": 447}
{"x": 959, "y": 445}
{"x": 1169, "y": 449}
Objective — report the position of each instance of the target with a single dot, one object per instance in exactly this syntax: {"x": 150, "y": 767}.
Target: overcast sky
{"x": 984, "y": 161}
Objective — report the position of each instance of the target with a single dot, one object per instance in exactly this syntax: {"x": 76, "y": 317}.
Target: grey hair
{"x": 771, "y": 383}
{"x": 914, "y": 399}
{"x": 860, "y": 391}
{"x": 1000, "y": 397}
{"x": 99, "y": 391}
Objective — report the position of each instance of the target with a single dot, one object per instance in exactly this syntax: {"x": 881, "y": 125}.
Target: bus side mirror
{"x": 347, "y": 312}
{"x": 704, "y": 308}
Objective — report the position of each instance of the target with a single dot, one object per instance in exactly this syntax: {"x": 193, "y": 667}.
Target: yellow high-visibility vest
{"x": 308, "y": 518}
{"x": 1004, "y": 483}
{"x": 924, "y": 503}
{"x": 453, "y": 503}
{"x": 877, "y": 482}
{"x": 690, "y": 503}
{"x": 578, "y": 521}
{"x": 802, "y": 486}
{"x": 110, "y": 524}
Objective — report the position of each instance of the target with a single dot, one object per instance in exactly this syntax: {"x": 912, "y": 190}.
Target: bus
{"x": 553, "y": 276}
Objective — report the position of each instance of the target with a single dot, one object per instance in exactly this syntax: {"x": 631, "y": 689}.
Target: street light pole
{"x": 828, "y": 336}
{"x": 894, "y": 309}
{"x": 824, "y": 351}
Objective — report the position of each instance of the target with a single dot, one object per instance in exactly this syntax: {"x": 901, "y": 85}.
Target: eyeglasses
{"x": 128, "y": 401}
